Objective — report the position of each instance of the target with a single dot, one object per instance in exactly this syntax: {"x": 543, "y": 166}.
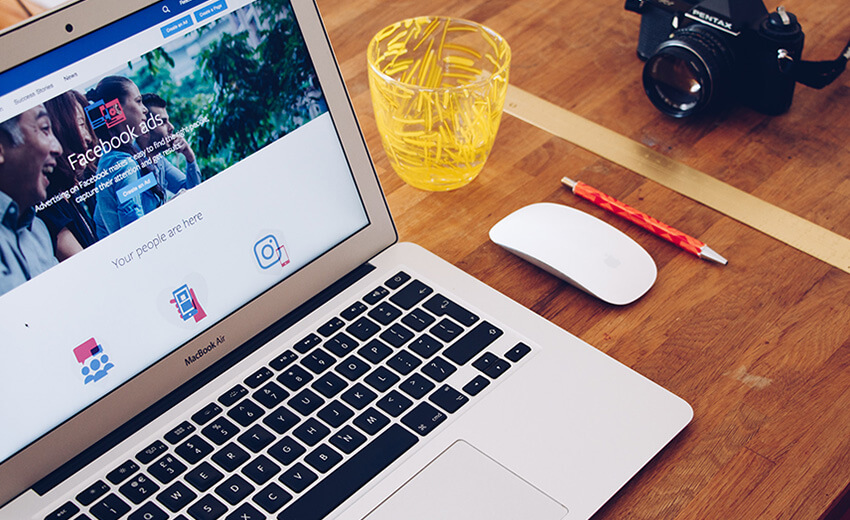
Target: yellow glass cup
{"x": 438, "y": 88}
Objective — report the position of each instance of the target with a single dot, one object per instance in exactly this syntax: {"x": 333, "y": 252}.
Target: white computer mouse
{"x": 579, "y": 248}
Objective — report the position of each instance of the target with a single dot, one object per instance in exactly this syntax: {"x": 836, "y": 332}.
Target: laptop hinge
{"x": 157, "y": 409}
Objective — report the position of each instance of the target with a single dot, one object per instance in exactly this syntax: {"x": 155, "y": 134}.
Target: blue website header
{"x": 96, "y": 41}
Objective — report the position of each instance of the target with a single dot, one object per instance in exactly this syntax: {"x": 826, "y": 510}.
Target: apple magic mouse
{"x": 579, "y": 248}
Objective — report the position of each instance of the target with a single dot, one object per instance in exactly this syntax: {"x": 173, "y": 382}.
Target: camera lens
{"x": 69, "y": 28}
{"x": 689, "y": 71}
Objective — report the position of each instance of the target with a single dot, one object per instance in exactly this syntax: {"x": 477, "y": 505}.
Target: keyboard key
{"x": 180, "y": 433}
{"x": 246, "y": 412}
{"x": 335, "y": 414}
{"x": 149, "y": 511}
{"x": 139, "y": 488}
{"x": 306, "y": 402}
{"x": 286, "y": 451}
{"x": 109, "y": 507}
{"x": 151, "y": 452}
{"x": 341, "y": 344}
{"x": 448, "y": 399}
{"x": 281, "y": 420}
{"x": 426, "y": 346}
{"x": 328, "y": 329}
{"x": 261, "y": 470}
{"x": 234, "y": 394}
{"x": 499, "y": 367}
{"x": 323, "y": 458}
{"x": 381, "y": 379}
{"x": 438, "y": 369}
{"x": 122, "y": 472}
{"x": 473, "y": 342}
{"x": 397, "y": 335}
{"x": 484, "y": 362}
{"x": 270, "y": 395}
{"x": 385, "y": 313}
{"x": 354, "y": 310}
{"x": 371, "y": 421}
{"x": 351, "y": 475}
{"x": 423, "y": 419}
{"x": 65, "y": 512}
{"x": 206, "y": 414}
{"x": 329, "y": 385}
{"x": 207, "y": 508}
{"x": 287, "y": 358}
{"x": 294, "y": 378}
{"x": 446, "y": 330}
{"x": 413, "y": 293}
{"x": 307, "y": 344}
{"x": 394, "y": 403}
{"x": 220, "y": 430}
{"x": 176, "y": 497}
{"x": 442, "y": 306}
{"x": 318, "y": 361}
{"x": 259, "y": 377}
{"x": 375, "y": 351}
{"x": 256, "y": 438}
{"x": 194, "y": 449}
{"x": 363, "y": 328}
{"x": 418, "y": 320}
{"x": 234, "y": 489}
{"x": 298, "y": 478}
{"x": 230, "y": 457}
{"x": 166, "y": 469}
{"x": 376, "y": 295}
{"x": 475, "y": 386}
{"x": 358, "y": 396}
{"x": 90, "y": 494}
{"x": 352, "y": 368}
{"x": 348, "y": 439}
{"x": 311, "y": 432}
{"x": 404, "y": 362}
{"x": 398, "y": 280}
{"x": 416, "y": 386}
{"x": 204, "y": 476}
{"x": 272, "y": 498}
{"x": 518, "y": 352}
{"x": 245, "y": 512}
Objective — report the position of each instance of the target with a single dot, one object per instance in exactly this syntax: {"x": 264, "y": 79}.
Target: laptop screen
{"x": 156, "y": 176}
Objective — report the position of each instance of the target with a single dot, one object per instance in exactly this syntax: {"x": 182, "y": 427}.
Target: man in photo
{"x": 162, "y": 138}
{"x": 28, "y": 153}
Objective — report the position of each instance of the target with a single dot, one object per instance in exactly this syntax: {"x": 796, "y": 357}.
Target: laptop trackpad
{"x": 464, "y": 484}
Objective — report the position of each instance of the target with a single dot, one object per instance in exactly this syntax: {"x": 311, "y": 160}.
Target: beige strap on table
{"x": 785, "y": 226}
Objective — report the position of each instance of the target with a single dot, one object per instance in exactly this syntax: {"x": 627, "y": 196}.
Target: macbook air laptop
{"x": 206, "y": 313}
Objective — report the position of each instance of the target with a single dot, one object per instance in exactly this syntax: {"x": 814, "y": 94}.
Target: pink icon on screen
{"x": 95, "y": 363}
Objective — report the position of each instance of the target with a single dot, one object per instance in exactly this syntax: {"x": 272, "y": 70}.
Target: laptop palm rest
{"x": 463, "y": 483}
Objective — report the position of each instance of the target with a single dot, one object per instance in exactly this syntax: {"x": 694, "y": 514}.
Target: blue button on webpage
{"x": 211, "y": 10}
{"x": 176, "y": 26}
{"x": 135, "y": 189}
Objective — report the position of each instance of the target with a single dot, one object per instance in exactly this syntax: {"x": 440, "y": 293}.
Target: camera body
{"x": 703, "y": 53}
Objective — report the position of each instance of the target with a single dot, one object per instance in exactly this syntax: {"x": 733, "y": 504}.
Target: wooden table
{"x": 761, "y": 347}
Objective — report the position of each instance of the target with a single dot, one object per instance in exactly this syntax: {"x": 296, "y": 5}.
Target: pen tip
{"x": 710, "y": 254}
{"x": 568, "y": 182}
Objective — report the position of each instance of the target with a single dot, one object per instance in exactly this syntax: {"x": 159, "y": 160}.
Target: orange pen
{"x": 656, "y": 227}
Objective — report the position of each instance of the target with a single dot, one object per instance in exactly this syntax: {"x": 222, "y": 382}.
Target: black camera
{"x": 701, "y": 54}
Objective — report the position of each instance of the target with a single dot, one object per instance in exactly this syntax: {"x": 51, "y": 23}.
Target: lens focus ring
{"x": 689, "y": 71}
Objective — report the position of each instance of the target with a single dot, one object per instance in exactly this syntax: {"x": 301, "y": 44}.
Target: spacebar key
{"x": 336, "y": 487}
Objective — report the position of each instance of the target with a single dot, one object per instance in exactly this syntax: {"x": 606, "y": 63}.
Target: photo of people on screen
{"x": 98, "y": 158}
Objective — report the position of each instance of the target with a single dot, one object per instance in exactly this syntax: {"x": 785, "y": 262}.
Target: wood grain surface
{"x": 761, "y": 347}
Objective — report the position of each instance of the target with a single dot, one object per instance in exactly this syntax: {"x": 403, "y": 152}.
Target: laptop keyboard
{"x": 311, "y": 427}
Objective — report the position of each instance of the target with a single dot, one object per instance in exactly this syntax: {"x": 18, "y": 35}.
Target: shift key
{"x": 476, "y": 340}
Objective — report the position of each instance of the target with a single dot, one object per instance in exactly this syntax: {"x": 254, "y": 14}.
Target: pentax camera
{"x": 706, "y": 53}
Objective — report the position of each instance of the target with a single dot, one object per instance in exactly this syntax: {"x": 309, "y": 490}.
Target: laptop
{"x": 206, "y": 312}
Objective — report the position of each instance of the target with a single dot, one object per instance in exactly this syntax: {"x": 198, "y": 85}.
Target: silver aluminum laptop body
{"x": 554, "y": 436}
